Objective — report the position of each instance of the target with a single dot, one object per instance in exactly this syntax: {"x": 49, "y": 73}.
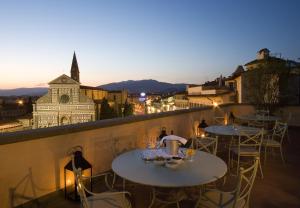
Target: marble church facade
{"x": 66, "y": 103}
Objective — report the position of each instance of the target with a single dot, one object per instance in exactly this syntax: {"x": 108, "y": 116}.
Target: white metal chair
{"x": 167, "y": 196}
{"x": 257, "y": 124}
{"x": 263, "y": 112}
{"x": 238, "y": 198}
{"x": 287, "y": 120}
{"x": 260, "y": 123}
{"x": 275, "y": 140}
{"x": 207, "y": 144}
{"x": 108, "y": 199}
{"x": 287, "y": 129}
{"x": 248, "y": 146}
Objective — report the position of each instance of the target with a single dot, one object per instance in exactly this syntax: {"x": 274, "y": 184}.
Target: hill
{"x": 38, "y": 91}
{"x": 148, "y": 85}
{"x": 133, "y": 86}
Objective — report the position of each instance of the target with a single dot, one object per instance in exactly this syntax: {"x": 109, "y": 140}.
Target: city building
{"x": 117, "y": 99}
{"x": 160, "y": 103}
{"x": 180, "y": 100}
{"x": 239, "y": 80}
{"x": 69, "y": 102}
{"x": 210, "y": 93}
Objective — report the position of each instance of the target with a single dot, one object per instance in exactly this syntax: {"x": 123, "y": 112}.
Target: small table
{"x": 259, "y": 118}
{"x": 231, "y": 130}
{"x": 204, "y": 168}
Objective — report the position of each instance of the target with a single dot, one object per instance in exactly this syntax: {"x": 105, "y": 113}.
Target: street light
{"x": 122, "y": 111}
{"x": 215, "y": 104}
{"x": 20, "y": 102}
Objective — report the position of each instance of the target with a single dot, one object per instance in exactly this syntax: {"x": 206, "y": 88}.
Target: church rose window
{"x": 64, "y": 99}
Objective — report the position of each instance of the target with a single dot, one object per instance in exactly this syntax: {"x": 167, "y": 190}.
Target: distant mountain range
{"x": 147, "y": 85}
{"x": 133, "y": 86}
{"x": 37, "y": 91}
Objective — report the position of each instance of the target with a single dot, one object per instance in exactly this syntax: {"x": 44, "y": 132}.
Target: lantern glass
{"x": 201, "y": 127}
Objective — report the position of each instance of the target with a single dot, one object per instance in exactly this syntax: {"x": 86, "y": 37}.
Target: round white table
{"x": 204, "y": 168}
{"x": 259, "y": 118}
{"x": 231, "y": 130}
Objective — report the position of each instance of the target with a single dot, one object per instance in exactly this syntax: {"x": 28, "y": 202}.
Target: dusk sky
{"x": 169, "y": 40}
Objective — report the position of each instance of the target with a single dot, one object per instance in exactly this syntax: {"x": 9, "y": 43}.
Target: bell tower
{"x": 75, "y": 69}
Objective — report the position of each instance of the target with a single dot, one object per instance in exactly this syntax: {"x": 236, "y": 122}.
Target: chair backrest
{"x": 257, "y": 123}
{"x": 263, "y": 112}
{"x": 207, "y": 144}
{"x": 105, "y": 196}
{"x": 245, "y": 183}
{"x": 279, "y": 131}
{"x": 248, "y": 139}
{"x": 80, "y": 185}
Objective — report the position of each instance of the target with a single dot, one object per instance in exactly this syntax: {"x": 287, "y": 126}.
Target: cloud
{"x": 41, "y": 85}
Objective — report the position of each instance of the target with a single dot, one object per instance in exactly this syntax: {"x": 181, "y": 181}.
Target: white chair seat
{"x": 212, "y": 199}
{"x": 245, "y": 151}
{"x": 272, "y": 143}
{"x": 111, "y": 201}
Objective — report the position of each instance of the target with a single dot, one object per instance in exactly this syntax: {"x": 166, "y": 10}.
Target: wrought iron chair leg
{"x": 265, "y": 156}
{"x": 281, "y": 153}
{"x": 260, "y": 168}
{"x": 152, "y": 198}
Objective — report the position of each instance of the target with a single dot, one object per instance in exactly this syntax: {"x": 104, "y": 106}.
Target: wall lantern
{"x": 201, "y": 128}
{"x": 70, "y": 182}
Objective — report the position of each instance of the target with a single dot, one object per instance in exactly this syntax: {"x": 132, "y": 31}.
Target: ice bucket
{"x": 172, "y": 147}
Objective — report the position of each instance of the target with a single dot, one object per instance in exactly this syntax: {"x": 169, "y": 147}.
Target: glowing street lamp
{"x": 215, "y": 104}
{"x": 20, "y": 102}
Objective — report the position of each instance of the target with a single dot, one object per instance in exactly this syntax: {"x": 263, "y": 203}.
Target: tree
{"x": 106, "y": 111}
{"x": 267, "y": 85}
{"x": 29, "y": 105}
{"x": 128, "y": 109}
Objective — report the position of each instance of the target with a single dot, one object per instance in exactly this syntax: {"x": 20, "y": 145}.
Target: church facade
{"x": 68, "y": 102}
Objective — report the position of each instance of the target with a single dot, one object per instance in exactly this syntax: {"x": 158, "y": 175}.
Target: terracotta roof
{"x": 193, "y": 85}
{"x": 211, "y": 95}
{"x": 91, "y": 88}
{"x": 213, "y": 84}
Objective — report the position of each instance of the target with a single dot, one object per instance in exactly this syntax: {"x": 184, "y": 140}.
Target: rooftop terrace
{"x": 279, "y": 188}
{"x": 40, "y": 155}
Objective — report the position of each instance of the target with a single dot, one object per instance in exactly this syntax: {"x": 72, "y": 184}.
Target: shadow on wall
{"x": 123, "y": 144}
{"x": 25, "y": 190}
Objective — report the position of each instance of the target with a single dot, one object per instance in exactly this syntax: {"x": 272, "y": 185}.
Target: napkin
{"x": 153, "y": 153}
{"x": 173, "y": 137}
